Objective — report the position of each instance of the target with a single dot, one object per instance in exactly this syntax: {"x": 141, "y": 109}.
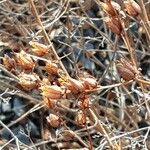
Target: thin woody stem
{"x": 107, "y": 87}
{"x": 130, "y": 49}
{"x": 100, "y": 128}
{"x": 145, "y": 16}
{"x": 143, "y": 81}
{"x": 145, "y": 19}
{"x": 47, "y": 37}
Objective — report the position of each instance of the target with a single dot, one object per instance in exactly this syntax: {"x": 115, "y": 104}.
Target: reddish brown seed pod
{"x": 8, "y": 62}
{"x": 128, "y": 64}
{"x": 132, "y": 8}
{"x": 68, "y": 135}
{"x": 54, "y": 120}
{"x": 84, "y": 103}
{"x": 24, "y": 60}
{"x": 75, "y": 86}
{"x": 125, "y": 73}
{"x": 52, "y": 92}
{"x": 89, "y": 83}
{"x": 29, "y": 81}
{"x": 114, "y": 24}
{"x": 45, "y": 81}
{"x": 80, "y": 118}
{"x": 50, "y": 103}
{"x": 108, "y": 9}
{"x": 65, "y": 84}
{"x": 51, "y": 68}
{"x": 116, "y": 6}
{"x": 126, "y": 69}
{"x": 111, "y": 8}
{"x": 38, "y": 48}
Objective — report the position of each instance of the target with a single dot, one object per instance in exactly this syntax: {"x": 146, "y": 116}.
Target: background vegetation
{"x": 74, "y": 74}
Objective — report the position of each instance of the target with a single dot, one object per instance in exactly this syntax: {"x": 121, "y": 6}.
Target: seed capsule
{"x": 8, "y": 62}
{"x": 68, "y": 135}
{"x": 110, "y": 8}
{"x": 84, "y": 104}
{"x": 132, "y": 8}
{"x": 116, "y": 6}
{"x": 73, "y": 85}
{"x": 114, "y": 25}
{"x": 50, "y": 103}
{"x": 76, "y": 85}
{"x": 38, "y": 48}
{"x": 80, "y": 118}
{"x": 51, "y": 68}
{"x": 89, "y": 83}
{"x": 128, "y": 64}
{"x": 52, "y": 92}
{"x": 25, "y": 61}
{"x": 126, "y": 69}
{"x": 54, "y": 120}
{"x": 29, "y": 81}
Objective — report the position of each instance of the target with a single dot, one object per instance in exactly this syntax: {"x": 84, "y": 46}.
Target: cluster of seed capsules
{"x": 57, "y": 85}
{"x": 61, "y": 86}
{"x": 114, "y": 19}
{"x": 114, "y": 15}
{"x": 53, "y": 86}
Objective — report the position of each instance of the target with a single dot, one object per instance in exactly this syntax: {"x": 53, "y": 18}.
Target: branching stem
{"x": 46, "y": 36}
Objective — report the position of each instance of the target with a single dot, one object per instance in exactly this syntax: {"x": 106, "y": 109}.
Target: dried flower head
{"x": 128, "y": 64}
{"x": 132, "y": 8}
{"x": 80, "y": 118}
{"x": 29, "y": 81}
{"x": 65, "y": 84}
{"x": 25, "y": 61}
{"x": 54, "y": 120}
{"x": 50, "y": 103}
{"x": 84, "y": 103}
{"x": 126, "y": 69}
{"x": 52, "y": 91}
{"x": 111, "y": 8}
{"x": 38, "y": 48}
{"x": 8, "y": 62}
{"x": 116, "y": 6}
{"x": 75, "y": 86}
{"x": 114, "y": 24}
{"x": 51, "y": 68}
{"x": 68, "y": 135}
{"x": 89, "y": 83}
{"x": 45, "y": 81}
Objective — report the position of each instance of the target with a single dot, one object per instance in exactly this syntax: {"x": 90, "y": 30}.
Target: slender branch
{"x": 16, "y": 139}
{"x": 100, "y": 128}
{"x": 144, "y": 11}
{"x": 46, "y": 36}
{"x": 107, "y": 87}
{"x": 35, "y": 108}
{"x": 122, "y": 135}
{"x": 130, "y": 49}
{"x": 16, "y": 79}
{"x": 143, "y": 81}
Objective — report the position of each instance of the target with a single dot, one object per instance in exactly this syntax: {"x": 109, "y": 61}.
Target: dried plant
{"x": 80, "y": 72}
